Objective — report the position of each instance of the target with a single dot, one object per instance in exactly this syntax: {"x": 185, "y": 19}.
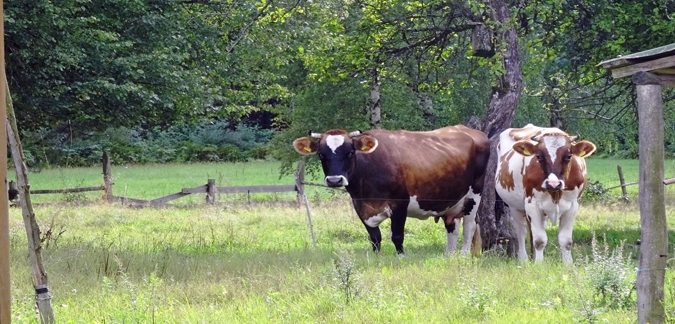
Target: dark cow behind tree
{"x": 541, "y": 175}
{"x": 400, "y": 174}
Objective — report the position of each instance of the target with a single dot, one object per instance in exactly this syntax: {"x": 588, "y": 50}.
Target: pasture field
{"x": 236, "y": 262}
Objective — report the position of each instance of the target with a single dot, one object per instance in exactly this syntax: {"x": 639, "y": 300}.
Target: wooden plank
{"x": 200, "y": 189}
{"x": 624, "y": 60}
{"x": 254, "y": 189}
{"x": 662, "y": 63}
{"x": 165, "y": 199}
{"x": 67, "y": 190}
{"x": 669, "y": 181}
{"x": 645, "y": 78}
{"x": 129, "y": 200}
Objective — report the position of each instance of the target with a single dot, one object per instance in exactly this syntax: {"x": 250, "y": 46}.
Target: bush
{"x": 210, "y": 141}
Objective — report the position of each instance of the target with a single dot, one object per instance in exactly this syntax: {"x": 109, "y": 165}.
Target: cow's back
{"x": 423, "y": 164}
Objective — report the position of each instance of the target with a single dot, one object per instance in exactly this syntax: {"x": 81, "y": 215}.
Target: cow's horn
{"x": 536, "y": 138}
{"x": 315, "y": 135}
{"x": 573, "y": 138}
{"x": 355, "y": 133}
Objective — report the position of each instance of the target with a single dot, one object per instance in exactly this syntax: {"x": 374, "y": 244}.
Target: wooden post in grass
{"x": 623, "y": 183}
{"x": 107, "y": 177}
{"x": 211, "y": 191}
{"x": 42, "y": 295}
{"x": 654, "y": 237}
{"x": 302, "y": 198}
{"x": 5, "y": 281}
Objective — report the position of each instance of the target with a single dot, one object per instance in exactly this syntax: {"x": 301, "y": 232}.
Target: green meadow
{"x": 253, "y": 262}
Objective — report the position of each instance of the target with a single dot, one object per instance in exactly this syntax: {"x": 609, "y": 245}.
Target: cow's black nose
{"x": 334, "y": 181}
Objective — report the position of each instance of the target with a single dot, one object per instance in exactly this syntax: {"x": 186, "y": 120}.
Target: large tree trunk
{"x": 426, "y": 105}
{"x": 42, "y": 295}
{"x": 499, "y": 117}
{"x": 375, "y": 114}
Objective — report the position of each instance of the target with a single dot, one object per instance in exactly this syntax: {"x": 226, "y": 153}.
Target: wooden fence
{"x": 623, "y": 184}
{"x": 209, "y": 189}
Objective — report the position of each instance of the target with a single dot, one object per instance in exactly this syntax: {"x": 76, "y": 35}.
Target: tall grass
{"x": 236, "y": 262}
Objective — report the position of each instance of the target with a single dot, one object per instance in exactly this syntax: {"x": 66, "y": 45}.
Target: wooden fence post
{"x": 300, "y": 187}
{"x": 623, "y": 183}
{"x": 211, "y": 191}
{"x": 107, "y": 177}
{"x": 654, "y": 236}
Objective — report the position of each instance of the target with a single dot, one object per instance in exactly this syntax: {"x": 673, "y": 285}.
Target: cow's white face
{"x": 336, "y": 150}
{"x": 552, "y": 154}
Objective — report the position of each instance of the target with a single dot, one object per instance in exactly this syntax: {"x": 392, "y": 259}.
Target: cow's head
{"x": 336, "y": 149}
{"x": 553, "y": 152}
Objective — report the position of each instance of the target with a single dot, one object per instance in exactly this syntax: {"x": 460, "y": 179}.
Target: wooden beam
{"x": 662, "y": 63}
{"x": 199, "y": 189}
{"x": 66, "y": 190}
{"x": 654, "y": 229}
{"x": 252, "y": 189}
{"x": 646, "y": 78}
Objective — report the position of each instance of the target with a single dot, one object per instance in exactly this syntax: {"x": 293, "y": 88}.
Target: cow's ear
{"x": 305, "y": 146}
{"x": 524, "y": 147}
{"x": 365, "y": 144}
{"x": 583, "y": 149}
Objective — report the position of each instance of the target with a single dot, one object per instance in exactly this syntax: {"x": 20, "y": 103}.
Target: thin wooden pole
{"x": 623, "y": 183}
{"x": 654, "y": 238}
{"x": 42, "y": 295}
{"x": 107, "y": 177}
{"x": 302, "y": 198}
{"x": 5, "y": 281}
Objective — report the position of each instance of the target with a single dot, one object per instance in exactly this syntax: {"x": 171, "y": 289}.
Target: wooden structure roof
{"x": 660, "y": 62}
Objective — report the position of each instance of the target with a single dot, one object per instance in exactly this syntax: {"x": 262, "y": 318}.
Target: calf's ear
{"x": 524, "y": 147}
{"x": 365, "y": 144}
{"x": 305, "y": 146}
{"x": 583, "y": 149}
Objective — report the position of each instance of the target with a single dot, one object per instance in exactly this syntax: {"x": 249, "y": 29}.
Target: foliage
{"x": 595, "y": 191}
{"x": 211, "y": 141}
{"x": 611, "y": 275}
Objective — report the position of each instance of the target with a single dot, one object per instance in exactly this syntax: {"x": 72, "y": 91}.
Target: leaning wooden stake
{"x": 42, "y": 295}
{"x": 623, "y": 183}
{"x": 302, "y": 198}
{"x": 5, "y": 281}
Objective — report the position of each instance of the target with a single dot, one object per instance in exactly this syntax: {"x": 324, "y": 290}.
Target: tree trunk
{"x": 375, "y": 114}
{"x": 426, "y": 105}
{"x": 42, "y": 295}
{"x": 499, "y": 117}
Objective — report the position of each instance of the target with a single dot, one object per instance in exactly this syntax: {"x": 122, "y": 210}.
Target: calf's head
{"x": 336, "y": 149}
{"x": 552, "y": 154}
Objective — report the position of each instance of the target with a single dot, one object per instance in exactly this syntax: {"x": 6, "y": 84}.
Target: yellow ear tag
{"x": 526, "y": 152}
{"x": 364, "y": 148}
{"x": 582, "y": 153}
{"x": 307, "y": 149}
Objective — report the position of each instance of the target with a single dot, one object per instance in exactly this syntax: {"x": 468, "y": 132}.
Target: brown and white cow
{"x": 541, "y": 174}
{"x": 399, "y": 174}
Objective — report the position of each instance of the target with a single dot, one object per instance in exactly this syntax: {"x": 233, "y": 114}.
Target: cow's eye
{"x": 351, "y": 153}
{"x": 540, "y": 157}
{"x": 320, "y": 155}
{"x": 568, "y": 157}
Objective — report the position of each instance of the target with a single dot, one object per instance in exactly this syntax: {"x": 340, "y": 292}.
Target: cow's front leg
{"x": 521, "y": 228}
{"x": 565, "y": 232}
{"x": 375, "y": 236}
{"x": 538, "y": 228}
{"x": 397, "y": 225}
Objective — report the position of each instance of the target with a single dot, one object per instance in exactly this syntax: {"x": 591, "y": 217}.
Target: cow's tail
{"x": 476, "y": 242}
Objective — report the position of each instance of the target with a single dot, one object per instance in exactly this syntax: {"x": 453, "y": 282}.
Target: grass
{"x": 236, "y": 262}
